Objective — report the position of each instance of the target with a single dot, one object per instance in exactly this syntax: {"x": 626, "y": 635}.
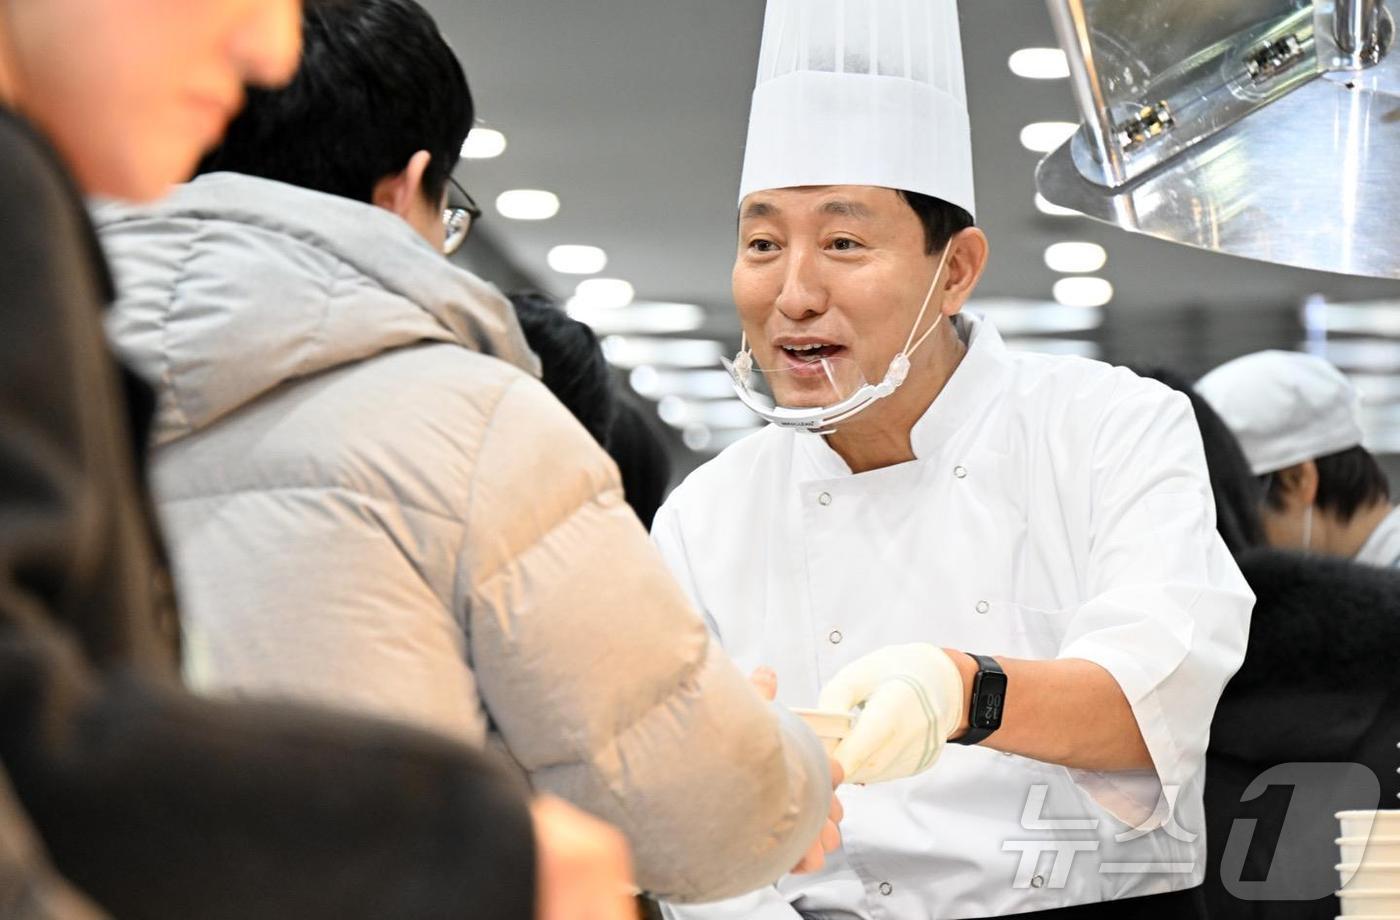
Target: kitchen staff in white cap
{"x": 1298, "y": 420}
{"x": 1012, "y": 552}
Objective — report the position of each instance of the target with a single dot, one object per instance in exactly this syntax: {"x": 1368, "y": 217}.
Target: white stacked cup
{"x": 1370, "y": 866}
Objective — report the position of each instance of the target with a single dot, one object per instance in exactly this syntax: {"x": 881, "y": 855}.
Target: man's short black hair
{"x": 377, "y": 84}
{"x": 942, "y": 221}
{"x": 1346, "y": 483}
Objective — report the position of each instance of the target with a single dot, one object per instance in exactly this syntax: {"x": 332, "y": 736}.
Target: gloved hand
{"x": 913, "y": 696}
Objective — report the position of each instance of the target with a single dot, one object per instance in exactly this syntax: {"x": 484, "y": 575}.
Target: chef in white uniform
{"x": 1298, "y": 419}
{"x": 925, "y": 495}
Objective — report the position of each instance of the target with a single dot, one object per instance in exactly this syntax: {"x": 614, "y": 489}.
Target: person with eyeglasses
{"x": 374, "y": 504}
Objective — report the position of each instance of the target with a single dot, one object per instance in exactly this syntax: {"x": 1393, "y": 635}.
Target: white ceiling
{"x": 634, "y": 113}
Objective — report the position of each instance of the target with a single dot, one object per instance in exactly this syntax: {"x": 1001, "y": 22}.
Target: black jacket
{"x": 1320, "y": 684}
{"x": 156, "y": 804}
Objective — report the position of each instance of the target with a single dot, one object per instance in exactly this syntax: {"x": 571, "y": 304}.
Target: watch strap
{"x": 988, "y": 701}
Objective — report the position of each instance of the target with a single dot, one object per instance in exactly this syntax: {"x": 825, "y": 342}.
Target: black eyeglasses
{"x": 458, "y": 216}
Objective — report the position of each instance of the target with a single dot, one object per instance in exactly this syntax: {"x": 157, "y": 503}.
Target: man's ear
{"x": 401, "y": 191}
{"x": 1298, "y": 483}
{"x": 967, "y": 260}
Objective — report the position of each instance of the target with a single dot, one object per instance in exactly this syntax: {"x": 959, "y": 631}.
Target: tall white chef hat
{"x": 861, "y": 92}
{"x": 1285, "y": 407}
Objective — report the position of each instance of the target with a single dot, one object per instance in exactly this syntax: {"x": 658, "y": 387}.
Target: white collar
{"x": 973, "y": 385}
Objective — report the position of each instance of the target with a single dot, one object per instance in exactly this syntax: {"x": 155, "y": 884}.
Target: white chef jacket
{"x": 1057, "y": 508}
{"x": 1382, "y": 547}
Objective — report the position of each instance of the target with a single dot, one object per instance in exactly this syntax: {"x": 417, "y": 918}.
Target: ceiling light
{"x": 1015, "y": 316}
{"x": 1075, "y": 258}
{"x": 704, "y": 384}
{"x": 697, "y": 437}
{"x": 1040, "y": 64}
{"x": 682, "y": 413}
{"x": 602, "y": 294}
{"x": 637, "y": 351}
{"x": 1047, "y": 136}
{"x": 1046, "y": 206}
{"x": 640, "y": 317}
{"x": 1083, "y": 292}
{"x": 577, "y": 260}
{"x": 527, "y": 204}
{"x": 484, "y": 144}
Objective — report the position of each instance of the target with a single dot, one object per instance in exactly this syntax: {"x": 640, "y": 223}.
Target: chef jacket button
{"x": 983, "y": 606}
{"x": 1038, "y": 882}
{"x": 960, "y": 472}
{"x": 886, "y": 888}
{"x": 824, "y": 498}
{"x": 835, "y": 637}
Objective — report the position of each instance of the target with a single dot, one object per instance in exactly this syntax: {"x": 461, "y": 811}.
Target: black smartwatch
{"x": 988, "y": 701}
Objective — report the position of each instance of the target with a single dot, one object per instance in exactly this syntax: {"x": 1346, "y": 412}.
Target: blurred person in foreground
{"x": 1298, "y": 420}
{"x": 374, "y": 503}
{"x": 575, "y": 371}
{"x": 1317, "y": 686}
{"x": 157, "y": 805}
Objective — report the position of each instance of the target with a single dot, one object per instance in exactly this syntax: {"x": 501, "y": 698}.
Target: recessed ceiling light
{"x": 1083, "y": 292}
{"x": 527, "y": 204}
{"x": 577, "y": 260}
{"x": 636, "y": 351}
{"x": 484, "y": 144}
{"x": 602, "y": 294}
{"x": 699, "y": 384}
{"x": 1040, "y": 64}
{"x": 643, "y": 318}
{"x": 1046, "y": 206}
{"x": 1075, "y": 258}
{"x": 1046, "y": 136}
{"x": 1014, "y": 316}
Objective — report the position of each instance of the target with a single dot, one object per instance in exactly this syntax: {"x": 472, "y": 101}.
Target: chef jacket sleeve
{"x": 1169, "y": 614}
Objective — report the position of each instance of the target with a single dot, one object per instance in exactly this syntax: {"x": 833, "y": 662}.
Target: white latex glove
{"x": 913, "y": 698}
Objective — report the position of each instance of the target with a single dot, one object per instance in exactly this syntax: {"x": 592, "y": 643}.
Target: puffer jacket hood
{"x": 233, "y": 286}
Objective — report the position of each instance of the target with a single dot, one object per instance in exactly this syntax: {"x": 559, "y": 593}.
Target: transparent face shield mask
{"x": 817, "y": 394}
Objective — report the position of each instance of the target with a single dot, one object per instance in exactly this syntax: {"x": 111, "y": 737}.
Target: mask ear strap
{"x": 937, "y": 276}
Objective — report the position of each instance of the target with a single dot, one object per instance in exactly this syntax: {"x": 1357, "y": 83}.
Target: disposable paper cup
{"x": 831, "y": 727}
{"x": 1360, "y": 851}
{"x": 1370, "y": 823}
{"x": 1370, "y": 902}
{"x": 1367, "y": 876}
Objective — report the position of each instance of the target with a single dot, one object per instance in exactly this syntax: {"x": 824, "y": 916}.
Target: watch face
{"x": 989, "y": 697}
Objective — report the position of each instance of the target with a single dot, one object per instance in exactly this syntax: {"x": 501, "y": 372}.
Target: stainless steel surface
{"x": 1357, "y": 29}
{"x": 1071, "y": 27}
{"x": 1155, "y": 77}
{"x": 1313, "y": 181}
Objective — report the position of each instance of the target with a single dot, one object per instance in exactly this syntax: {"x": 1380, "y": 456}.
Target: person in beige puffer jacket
{"x": 373, "y": 503}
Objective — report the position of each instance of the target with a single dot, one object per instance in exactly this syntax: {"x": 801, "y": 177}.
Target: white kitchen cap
{"x": 1285, "y": 407}
{"x": 861, "y": 92}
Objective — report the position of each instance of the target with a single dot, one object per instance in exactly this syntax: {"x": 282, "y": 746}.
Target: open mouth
{"x": 812, "y": 352}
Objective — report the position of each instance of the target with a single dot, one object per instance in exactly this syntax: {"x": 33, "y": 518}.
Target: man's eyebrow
{"x": 758, "y": 209}
{"x": 842, "y": 208}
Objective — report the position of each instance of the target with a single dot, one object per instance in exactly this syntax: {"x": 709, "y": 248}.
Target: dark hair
{"x": 377, "y": 84}
{"x": 641, "y": 457}
{"x": 942, "y": 221}
{"x": 571, "y": 361}
{"x": 1346, "y": 482}
{"x": 1237, "y": 493}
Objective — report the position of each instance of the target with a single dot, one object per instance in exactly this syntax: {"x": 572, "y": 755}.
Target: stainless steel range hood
{"x": 1268, "y": 129}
